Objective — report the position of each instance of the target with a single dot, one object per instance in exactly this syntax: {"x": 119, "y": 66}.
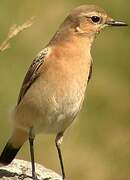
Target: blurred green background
{"x": 97, "y": 146}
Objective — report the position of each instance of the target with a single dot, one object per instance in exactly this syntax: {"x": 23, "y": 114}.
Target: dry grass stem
{"x": 13, "y": 31}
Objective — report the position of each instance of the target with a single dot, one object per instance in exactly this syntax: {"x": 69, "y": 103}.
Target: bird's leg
{"x": 58, "y": 142}
{"x": 31, "y": 142}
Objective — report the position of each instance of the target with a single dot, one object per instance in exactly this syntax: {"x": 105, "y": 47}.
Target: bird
{"x": 54, "y": 86}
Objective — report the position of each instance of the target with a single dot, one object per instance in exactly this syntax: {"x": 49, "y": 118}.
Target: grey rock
{"x": 21, "y": 170}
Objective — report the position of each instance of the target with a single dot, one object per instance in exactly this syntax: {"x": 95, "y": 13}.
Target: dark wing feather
{"x": 90, "y": 72}
{"x": 32, "y": 73}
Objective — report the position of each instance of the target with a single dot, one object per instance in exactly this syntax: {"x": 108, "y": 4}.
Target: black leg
{"x": 31, "y": 142}
{"x": 58, "y": 142}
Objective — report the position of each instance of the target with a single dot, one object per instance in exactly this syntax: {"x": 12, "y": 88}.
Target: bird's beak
{"x": 115, "y": 23}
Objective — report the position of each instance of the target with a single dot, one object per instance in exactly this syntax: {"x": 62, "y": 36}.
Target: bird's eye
{"x": 95, "y": 19}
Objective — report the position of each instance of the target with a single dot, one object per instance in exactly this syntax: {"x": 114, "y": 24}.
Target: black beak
{"x": 115, "y": 23}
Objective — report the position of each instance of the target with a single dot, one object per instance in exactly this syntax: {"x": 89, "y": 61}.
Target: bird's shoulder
{"x": 33, "y": 71}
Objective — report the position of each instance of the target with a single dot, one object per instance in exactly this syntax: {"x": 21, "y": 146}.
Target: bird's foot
{"x": 34, "y": 176}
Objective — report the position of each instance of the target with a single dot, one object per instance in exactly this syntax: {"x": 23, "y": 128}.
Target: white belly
{"x": 58, "y": 117}
{"x": 45, "y": 111}
{"x": 57, "y": 114}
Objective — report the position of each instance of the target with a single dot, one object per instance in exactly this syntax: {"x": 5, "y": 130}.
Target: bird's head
{"x": 84, "y": 21}
{"x": 89, "y": 20}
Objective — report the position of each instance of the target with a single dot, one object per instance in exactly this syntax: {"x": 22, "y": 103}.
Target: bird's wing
{"x": 90, "y": 71}
{"x": 33, "y": 72}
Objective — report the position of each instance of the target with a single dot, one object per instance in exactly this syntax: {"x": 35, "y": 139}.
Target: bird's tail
{"x": 13, "y": 146}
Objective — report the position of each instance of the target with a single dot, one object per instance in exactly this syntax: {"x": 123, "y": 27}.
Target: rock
{"x": 21, "y": 170}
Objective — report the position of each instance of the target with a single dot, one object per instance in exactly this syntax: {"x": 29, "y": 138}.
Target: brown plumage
{"x": 53, "y": 90}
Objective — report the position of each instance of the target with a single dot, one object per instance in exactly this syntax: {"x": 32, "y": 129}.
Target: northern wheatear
{"x": 53, "y": 90}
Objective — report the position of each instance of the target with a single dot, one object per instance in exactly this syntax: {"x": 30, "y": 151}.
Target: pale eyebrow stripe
{"x": 90, "y": 14}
